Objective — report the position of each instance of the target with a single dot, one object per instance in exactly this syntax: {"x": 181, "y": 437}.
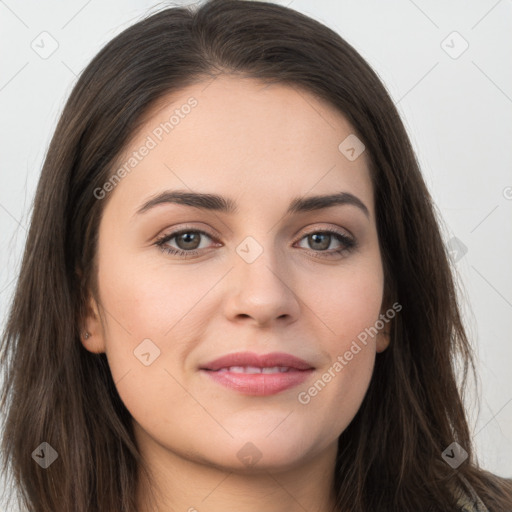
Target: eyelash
{"x": 348, "y": 243}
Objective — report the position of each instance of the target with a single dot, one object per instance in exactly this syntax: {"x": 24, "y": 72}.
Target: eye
{"x": 321, "y": 240}
{"x": 189, "y": 241}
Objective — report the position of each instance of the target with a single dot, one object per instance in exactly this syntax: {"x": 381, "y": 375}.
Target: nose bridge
{"x": 261, "y": 288}
{"x": 258, "y": 263}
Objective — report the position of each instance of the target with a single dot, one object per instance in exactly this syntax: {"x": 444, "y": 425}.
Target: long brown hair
{"x": 55, "y": 391}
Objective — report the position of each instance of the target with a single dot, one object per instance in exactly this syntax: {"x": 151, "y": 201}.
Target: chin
{"x": 260, "y": 452}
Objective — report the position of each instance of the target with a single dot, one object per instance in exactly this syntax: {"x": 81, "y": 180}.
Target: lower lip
{"x": 259, "y": 384}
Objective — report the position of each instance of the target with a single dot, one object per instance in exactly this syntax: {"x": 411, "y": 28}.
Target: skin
{"x": 261, "y": 146}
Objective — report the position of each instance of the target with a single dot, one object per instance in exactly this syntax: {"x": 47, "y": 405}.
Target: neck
{"x": 196, "y": 486}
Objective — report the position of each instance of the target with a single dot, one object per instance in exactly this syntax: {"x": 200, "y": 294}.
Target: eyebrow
{"x": 221, "y": 204}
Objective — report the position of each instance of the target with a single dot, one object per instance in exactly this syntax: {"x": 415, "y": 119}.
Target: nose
{"x": 261, "y": 290}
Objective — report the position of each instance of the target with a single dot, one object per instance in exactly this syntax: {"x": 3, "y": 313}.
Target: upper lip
{"x": 258, "y": 361}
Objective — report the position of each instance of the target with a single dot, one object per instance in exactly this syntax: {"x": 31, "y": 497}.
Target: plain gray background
{"x": 447, "y": 67}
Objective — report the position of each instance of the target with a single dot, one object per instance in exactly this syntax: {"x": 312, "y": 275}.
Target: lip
{"x": 260, "y": 361}
{"x": 258, "y": 384}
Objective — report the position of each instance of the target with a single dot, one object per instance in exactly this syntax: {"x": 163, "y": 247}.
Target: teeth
{"x": 275, "y": 369}
{"x": 236, "y": 369}
{"x": 255, "y": 369}
{"x": 250, "y": 369}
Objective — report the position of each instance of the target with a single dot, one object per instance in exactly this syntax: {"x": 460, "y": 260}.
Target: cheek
{"x": 348, "y": 303}
{"x": 146, "y": 321}
{"x": 348, "y": 309}
{"x": 153, "y": 316}
{"x": 338, "y": 389}
{"x": 155, "y": 301}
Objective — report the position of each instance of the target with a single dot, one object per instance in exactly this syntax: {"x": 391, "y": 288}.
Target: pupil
{"x": 326, "y": 239}
{"x": 188, "y": 239}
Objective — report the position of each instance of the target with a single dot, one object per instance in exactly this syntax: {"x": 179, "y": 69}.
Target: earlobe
{"x": 92, "y": 334}
{"x": 383, "y": 339}
{"x": 384, "y": 335}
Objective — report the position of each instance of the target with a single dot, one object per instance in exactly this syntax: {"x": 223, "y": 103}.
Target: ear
{"x": 383, "y": 339}
{"x": 384, "y": 335}
{"x": 92, "y": 334}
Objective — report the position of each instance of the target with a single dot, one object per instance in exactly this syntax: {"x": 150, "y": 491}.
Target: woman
{"x": 234, "y": 293}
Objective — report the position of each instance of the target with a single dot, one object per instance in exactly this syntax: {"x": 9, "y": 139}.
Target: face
{"x": 182, "y": 285}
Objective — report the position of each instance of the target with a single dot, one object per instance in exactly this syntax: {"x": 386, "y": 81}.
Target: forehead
{"x": 241, "y": 137}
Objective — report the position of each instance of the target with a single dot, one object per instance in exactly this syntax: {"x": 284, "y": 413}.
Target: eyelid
{"x": 172, "y": 232}
{"x": 330, "y": 229}
{"x": 166, "y": 237}
{"x": 348, "y": 240}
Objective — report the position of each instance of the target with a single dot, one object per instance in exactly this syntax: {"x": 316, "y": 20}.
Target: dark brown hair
{"x": 55, "y": 391}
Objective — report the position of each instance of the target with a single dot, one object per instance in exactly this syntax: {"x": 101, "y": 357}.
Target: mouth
{"x": 256, "y": 369}
{"x": 260, "y": 375}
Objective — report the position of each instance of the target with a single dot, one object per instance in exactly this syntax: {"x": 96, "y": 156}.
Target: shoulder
{"x": 468, "y": 500}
